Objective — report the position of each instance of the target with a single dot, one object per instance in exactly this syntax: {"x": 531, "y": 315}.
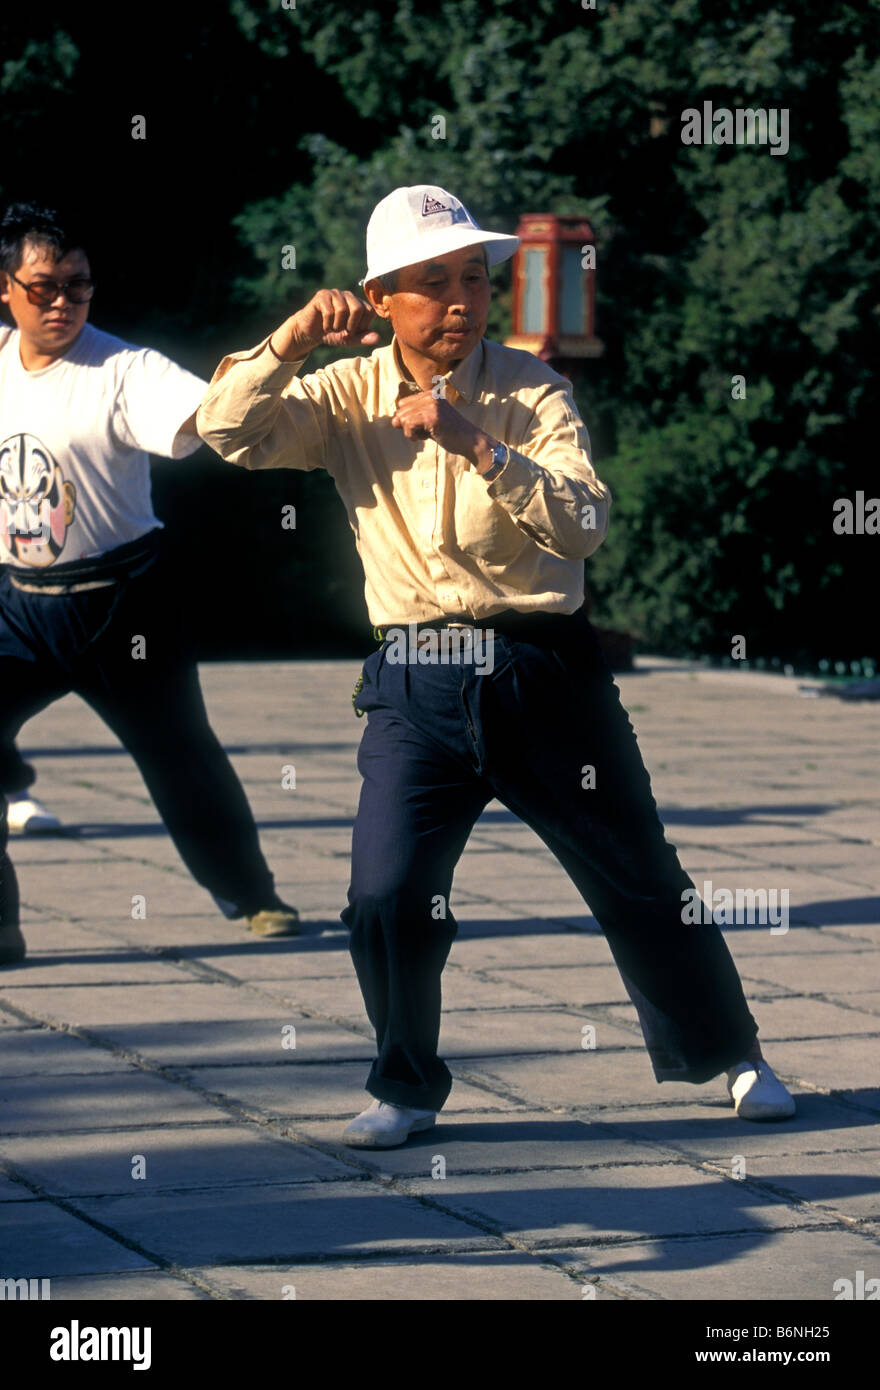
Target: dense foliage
{"x": 715, "y": 262}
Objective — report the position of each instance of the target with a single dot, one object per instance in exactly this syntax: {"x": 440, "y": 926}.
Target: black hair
{"x": 42, "y": 227}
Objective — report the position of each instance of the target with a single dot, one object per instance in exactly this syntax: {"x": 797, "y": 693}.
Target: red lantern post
{"x": 554, "y": 316}
{"x": 554, "y": 288}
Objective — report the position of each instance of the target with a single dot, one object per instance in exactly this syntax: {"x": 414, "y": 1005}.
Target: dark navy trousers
{"x": 85, "y": 642}
{"x": 441, "y": 741}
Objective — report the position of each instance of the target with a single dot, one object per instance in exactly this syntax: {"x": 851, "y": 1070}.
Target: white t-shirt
{"x": 74, "y": 443}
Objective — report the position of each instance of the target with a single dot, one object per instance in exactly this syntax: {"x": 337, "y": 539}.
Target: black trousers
{"x": 124, "y": 650}
{"x": 440, "y": 742}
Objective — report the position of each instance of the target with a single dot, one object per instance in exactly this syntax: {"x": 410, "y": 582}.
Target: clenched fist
{"x": 332, "y": 318}
{"x": 423, "y": 416}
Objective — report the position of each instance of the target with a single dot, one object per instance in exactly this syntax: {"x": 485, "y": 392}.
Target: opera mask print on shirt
{"x": 36, "y": 504}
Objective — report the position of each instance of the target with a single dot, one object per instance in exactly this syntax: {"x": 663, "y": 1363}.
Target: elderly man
{"x": 465, "y": 469}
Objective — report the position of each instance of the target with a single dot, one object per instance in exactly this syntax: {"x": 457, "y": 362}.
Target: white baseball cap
{"x": 413, "y": 224}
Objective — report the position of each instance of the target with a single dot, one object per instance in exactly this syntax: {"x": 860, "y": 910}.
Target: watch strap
{"x": 500, "y": 456}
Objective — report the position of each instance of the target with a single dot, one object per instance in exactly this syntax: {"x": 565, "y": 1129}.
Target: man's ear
{"x": 5, "y": 286}
{"x": 380, "y": 302}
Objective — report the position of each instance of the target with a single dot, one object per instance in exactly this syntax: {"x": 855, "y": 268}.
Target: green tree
{"x": 716, "y": 262}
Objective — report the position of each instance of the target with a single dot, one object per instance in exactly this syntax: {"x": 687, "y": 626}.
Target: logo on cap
{"x": 430, "y": 205}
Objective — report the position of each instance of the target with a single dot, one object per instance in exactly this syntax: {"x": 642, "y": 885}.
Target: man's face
{"x": 440, "y": 307}
{"x": 49, "y": 329}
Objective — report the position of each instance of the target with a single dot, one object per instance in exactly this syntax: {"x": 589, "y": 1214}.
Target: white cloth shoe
{"x": 30, "y": 817}
{"x": 386, "y": 1126}
{"x": 757, "y": 1093}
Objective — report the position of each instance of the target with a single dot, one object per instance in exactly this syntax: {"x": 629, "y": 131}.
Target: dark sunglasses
{"x": 44, "y": 292}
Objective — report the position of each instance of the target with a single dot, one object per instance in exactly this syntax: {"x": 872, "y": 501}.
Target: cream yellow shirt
{"x": 435, "y": 539}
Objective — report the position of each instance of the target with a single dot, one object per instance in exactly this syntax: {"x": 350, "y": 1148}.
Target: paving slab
{"x": 843, "y": 973}
{"x": 629, "y": 1200}
{"x": 518, "y": 1029}
{"x": 802, "y": 938}
{"x": 113, "y": 967}
{"x": 47, "y": 1104}
{"x": 112, "y": 905}
{"x": 468, "y": 989}
{"x": 336, "y": 997}
{"x": 758, "y": 835}
{"x": 39, "y": 1240}
{"x": 44, "y": 1052}
{"x": 793, "y": 1017}
{"x": 493, "y": 1275}
{"x": 295, "y": 961}
{"x": 820, "y": 1127}
{"x": 512, "y": 943}
{"x": 51, "y": 940}
{"x": 287, "y": 1092}
{"x": 847, "y": 1184}
{"x": 830, "y": 1064}
{"x": 128, "y": 1286}
{"x": 860, "y": 926}
{"x": 11, "y": 1191}
{"x": 744, "y": 1267}
{"x": 224, "y": 1025}
{"x": 143, "y": 1161}
{"x": 592, "y": 1078}
{"x": 258, "y": 1224}
{"x": 827, "y": 903}
{"x": 577, "y": 985}
{"x": 194, "y": 932}
{"x": 9, "y": 1022}
{"x": 526, "y": 1141}
{"x": 289, "y": 1039}
{"x": 724, "y": 867}
{"x": 868, "y": 1002}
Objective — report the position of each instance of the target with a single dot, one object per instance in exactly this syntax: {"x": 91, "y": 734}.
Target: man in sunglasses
{"x": 85, "y": 601}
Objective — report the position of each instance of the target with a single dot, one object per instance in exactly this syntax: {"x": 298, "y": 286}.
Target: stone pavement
{"x": 160, "y": 1138}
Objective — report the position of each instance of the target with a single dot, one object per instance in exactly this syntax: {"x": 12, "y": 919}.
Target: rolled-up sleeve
{"x": 548, "y": 484}
{"x": 257, "y": 413}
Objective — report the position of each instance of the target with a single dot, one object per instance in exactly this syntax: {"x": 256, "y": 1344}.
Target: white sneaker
{"x": 386, "y": 1126}
{"x": 28, "y": 816}
{"x": 757, "y": 1093}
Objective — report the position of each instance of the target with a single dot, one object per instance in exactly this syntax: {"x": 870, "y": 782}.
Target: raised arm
{"x": 249, "y": 416}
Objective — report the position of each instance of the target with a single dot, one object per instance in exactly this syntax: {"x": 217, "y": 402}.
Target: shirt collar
{"x": 462, "y": 382}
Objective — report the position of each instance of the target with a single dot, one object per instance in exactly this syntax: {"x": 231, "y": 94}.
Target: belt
{"x": 96, "y": 572}
{"x": 55, "y": 589}
{"x": 508, "y": 623}
{"x": 381, "y": 633}
{"x": 527, "y": 627}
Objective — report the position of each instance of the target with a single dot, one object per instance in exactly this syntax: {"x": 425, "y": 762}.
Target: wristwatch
{"x": 500, "y": 455}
